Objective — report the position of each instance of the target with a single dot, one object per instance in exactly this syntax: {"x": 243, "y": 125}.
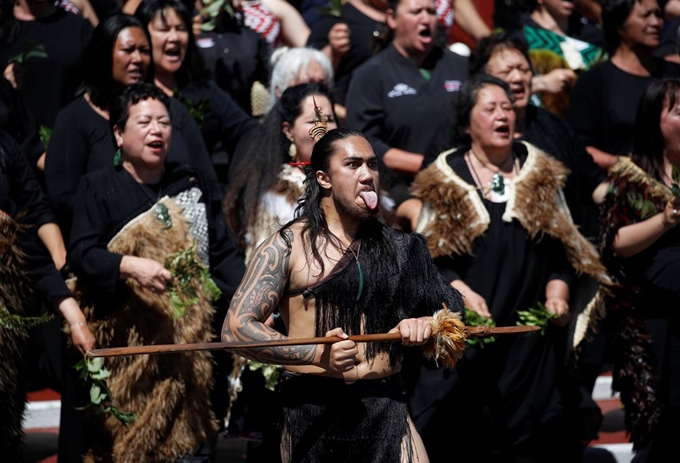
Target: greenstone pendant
{"x": 498, "y": 184}
{"x": 361, "y": 281}
{"x": 163, "y": 215}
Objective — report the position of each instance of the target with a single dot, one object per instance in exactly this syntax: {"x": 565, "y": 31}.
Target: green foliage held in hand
{"x": 474, "y": 319}
{"x": 30, "y": 49}
{"x": 17, "y": 322}
{"x": 334, "y": 8}
{"x": 675, "y": 187}
{"x": 645, "y": 206}
{"x": 270, "y": 373}
{"x": 45, "y": 135}
{"x": 212, "y": 9}
{"x": 94, "y": 373}
{"x": 197, "y": 111}
{"x": 535, "y": 317}
{"x": 185, "y": 267}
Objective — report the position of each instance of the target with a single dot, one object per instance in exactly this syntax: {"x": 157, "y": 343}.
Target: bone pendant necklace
{"x": 360, "y": 272}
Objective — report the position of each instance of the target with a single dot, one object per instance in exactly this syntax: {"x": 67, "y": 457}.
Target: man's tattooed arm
{"x": 256, "y": 298}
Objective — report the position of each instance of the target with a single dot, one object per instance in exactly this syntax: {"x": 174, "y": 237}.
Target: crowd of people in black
{"x": 156, "y": 157}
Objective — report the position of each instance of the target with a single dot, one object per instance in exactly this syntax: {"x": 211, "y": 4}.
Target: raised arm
{"x": 633, "y": 239}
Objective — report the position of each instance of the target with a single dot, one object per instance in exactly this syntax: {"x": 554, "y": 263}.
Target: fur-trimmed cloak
{"x": 169, "y": 393}
{"x": 513, "y": 392}
{"x": 454, "y": 215}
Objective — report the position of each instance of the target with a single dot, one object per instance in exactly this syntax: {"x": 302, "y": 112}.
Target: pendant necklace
{"x": 360, "y": 272}
{"x": 159, "y": 209}
{"x": 497, "y": 183}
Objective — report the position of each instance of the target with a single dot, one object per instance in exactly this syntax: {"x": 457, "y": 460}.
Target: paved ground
{"x": 41, "y": 447}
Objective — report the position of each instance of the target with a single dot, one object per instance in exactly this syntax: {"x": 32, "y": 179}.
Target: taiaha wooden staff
{"x": 445, "y": 346}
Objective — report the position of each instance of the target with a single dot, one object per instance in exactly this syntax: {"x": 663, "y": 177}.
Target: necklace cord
{"x": 497, "y": 182}
{"x": 360, "y": 272}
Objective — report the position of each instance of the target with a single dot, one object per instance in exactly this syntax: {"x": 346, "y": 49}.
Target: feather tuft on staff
{"x": 447, "y": 343}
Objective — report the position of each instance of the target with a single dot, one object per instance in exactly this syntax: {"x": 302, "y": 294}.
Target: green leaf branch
{"x": 197, "y": 111}
{"x": 474, "y": 319}
{"x": 334, "y": 8}
{"x": 640, "y": 203}
{"x": 45, "y": 135}
{"x": 535, "y": 317}
{"x": 212, "y": 9}
{"x": 185, "y": 267}
{"x": 270, "y": 372}
{"x": 94, "y": 374}
{"x": 675, "y": 184}
{"x": 17, "y": 322}
{"x": 29, "y": 49}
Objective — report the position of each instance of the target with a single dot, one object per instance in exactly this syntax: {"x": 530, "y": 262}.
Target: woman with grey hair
{"x": 298, "y": 65}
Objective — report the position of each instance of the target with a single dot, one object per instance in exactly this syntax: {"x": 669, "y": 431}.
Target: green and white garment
{"x": 579, "y": 55}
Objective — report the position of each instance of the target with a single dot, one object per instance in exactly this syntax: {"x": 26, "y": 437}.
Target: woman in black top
{"x": 118, "y": 55}
{"x": 507, "y": 58}
{"x": 27, "y": 274}
{"x": 179, "y": 70}
{"x": 49, "y": 83}
{"x": 499, "y": 230}
{"x": 131, "y": 223}
{"x": 640, "y": 246}
{"x": 604, "y": 100}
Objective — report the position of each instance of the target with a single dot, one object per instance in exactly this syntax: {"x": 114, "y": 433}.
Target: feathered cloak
{"x": 277, "y": 206}
{"x": 634, "y": 196}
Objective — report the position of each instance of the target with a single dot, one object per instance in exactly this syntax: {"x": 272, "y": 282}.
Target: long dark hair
{"x": 648, "y": 141}
{"x": 131, "y": 95}
{"x": 614, "y": 15}
{"x": 193, "y": 68}
{"x": 97, "y": 61}
{"x": 259, "y": 156}
{"x": 9, "y": 26}
{"x": 309, "y": 206}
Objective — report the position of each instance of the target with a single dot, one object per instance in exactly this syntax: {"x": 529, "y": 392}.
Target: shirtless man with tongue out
{"x": 337, "y": 270}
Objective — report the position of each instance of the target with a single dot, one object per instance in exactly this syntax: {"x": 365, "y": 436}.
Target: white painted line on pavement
{"x": 42, "y": 414}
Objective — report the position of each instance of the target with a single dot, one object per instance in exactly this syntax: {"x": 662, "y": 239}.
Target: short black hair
{"x": 466, "y": 99}
{"x": 131, "y": 95}
{"x": 489, "y": 45}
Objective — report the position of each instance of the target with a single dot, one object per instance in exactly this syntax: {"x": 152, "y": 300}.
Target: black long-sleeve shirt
{"x": 108, "y": 199}
{"x": 22, "y": 198}
{"x": 82, "y": 142}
